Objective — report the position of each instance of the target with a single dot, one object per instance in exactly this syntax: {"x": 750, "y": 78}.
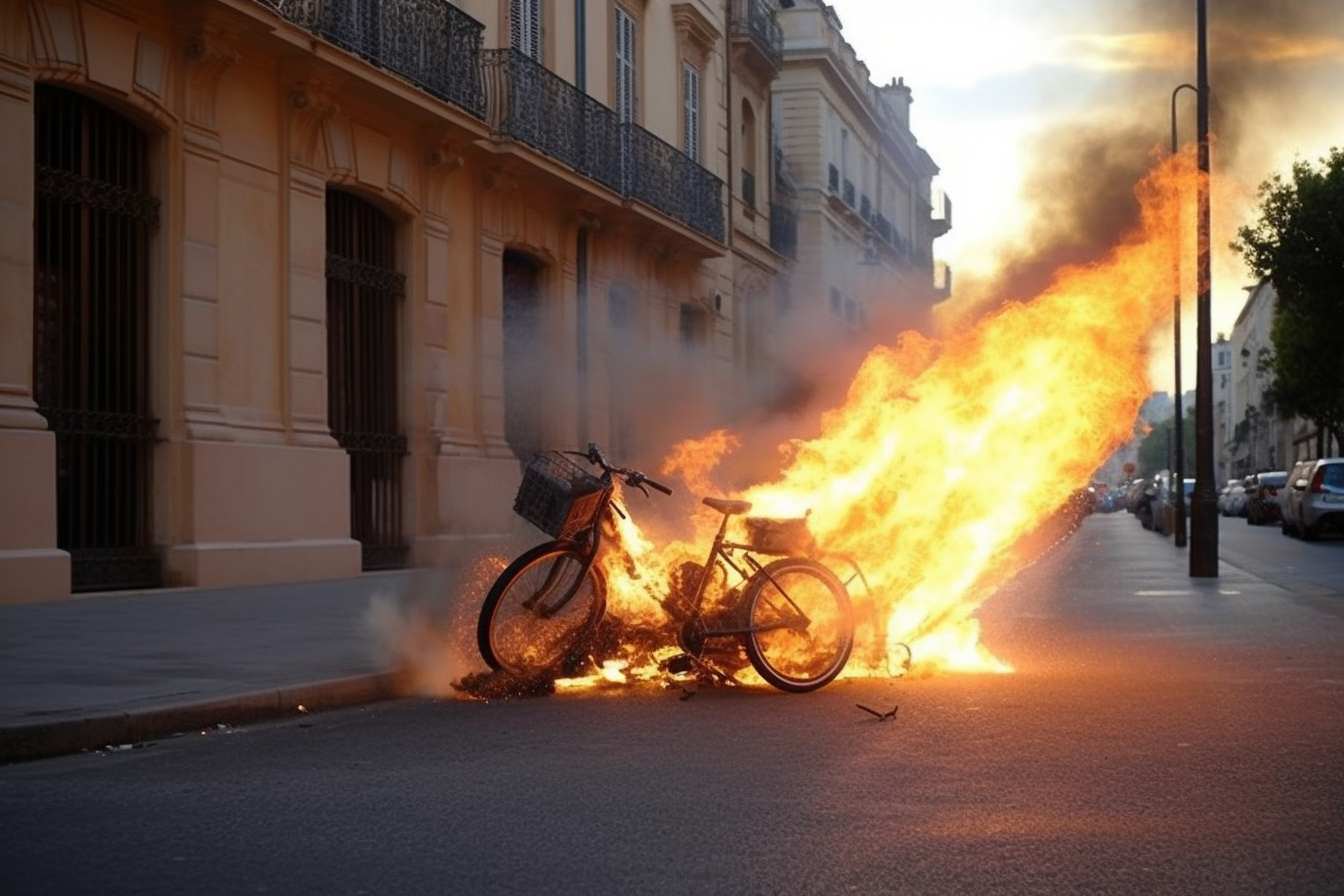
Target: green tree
{"x": 1298, "y": 243}
{"x": 1157, "y": 450}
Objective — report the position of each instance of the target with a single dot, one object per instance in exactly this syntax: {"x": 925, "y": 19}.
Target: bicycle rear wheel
{"x": 527, "y": 625}
{"x": 801, "y": 624}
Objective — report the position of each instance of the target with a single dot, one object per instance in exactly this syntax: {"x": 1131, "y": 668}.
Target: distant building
{"x": 1224, "y": 400}
{"x": 1261, "y": 439}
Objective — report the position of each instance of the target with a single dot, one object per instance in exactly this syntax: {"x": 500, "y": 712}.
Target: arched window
{"x": 748, "y": 143}
{"x": 91, "y": 360}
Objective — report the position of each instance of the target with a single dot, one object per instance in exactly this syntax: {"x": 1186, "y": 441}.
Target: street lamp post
{"x": 1179, "y": 537}
{"x": 1204, "y": 501}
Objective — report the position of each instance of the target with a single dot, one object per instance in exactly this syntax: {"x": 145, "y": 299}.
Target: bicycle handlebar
{"x": 633, "y": 478}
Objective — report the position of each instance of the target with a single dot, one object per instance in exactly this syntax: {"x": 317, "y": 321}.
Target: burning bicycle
{"x": 790, "y": 613}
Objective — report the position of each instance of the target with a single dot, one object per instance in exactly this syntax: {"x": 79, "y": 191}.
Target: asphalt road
{"x": 1160, "y": 735}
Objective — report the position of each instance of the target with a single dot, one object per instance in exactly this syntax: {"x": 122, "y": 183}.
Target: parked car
{"x": 1232, "y": 502}
{"x": 1262, "y": 497}
{"x": 1134, "y": 494}
{"x": 1164, "y": 504}
{"x": 1312, "y": 501}
{"x": 1153, "y": 507}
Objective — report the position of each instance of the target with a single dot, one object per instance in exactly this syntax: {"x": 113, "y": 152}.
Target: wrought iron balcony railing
{"x": 529, "y": 103}
{"x": 437, "y": 47}
{"x": 784, "y": 230}
{"x": 756, "y": 19}
{"x": 430, "y": 43}
{"x": 665, "y": 178}
{"x": 882, "y": 226}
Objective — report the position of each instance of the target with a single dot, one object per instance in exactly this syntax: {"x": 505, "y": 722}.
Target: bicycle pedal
{"x": 679, "y": 664}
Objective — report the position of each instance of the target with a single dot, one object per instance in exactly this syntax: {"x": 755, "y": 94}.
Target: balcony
{"x": 883, "y": 227}
{"x": 784, "y": 230}
{"x": 527, "y": 102}
{"x": 941, "y": 216}
{"x": 437, "y": 47}
{"x": 755, "y": 28}
{"x": 665, "y": 179}
{"x": 430, "y": 43}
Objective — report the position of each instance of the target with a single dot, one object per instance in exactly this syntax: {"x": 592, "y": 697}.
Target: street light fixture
{"x": 1179, "y": 536}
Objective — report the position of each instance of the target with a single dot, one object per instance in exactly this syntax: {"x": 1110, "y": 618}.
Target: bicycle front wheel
{"x": 800, "y": 624}
{"x": 540, "y": 613}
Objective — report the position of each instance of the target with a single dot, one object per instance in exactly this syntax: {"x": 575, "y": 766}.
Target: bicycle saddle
{"x": 727, "y": 507}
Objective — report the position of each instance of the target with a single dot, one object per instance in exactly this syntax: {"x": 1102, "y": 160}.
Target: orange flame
{"x": 947, "y": 452}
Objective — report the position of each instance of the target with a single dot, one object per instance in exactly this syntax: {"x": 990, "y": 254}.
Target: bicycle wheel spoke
{"x": 801, "y": 625}
{"x": 539, "y": 611}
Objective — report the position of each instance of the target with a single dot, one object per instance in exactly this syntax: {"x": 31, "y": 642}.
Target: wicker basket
{"x": 558, "y": 496}
{"x": 780, "y": 536}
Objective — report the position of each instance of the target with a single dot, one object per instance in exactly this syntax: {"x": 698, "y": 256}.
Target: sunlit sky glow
{"x": 993, "y": 78}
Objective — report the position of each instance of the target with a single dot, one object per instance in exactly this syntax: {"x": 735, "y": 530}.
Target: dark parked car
{"x": 1262, "y": 497}
{"x": 1133, "y": 494}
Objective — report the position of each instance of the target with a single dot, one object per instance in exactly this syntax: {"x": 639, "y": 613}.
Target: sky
{"x": 1042, "y": 115}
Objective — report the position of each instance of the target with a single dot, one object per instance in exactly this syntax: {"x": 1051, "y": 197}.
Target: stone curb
{"x": 46, "y": 739}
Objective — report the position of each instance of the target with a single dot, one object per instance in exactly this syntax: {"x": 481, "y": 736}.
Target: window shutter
{"x": 525, "y": 23}
{"x": 625, "y": 65}
{"x": 690, "y": 93}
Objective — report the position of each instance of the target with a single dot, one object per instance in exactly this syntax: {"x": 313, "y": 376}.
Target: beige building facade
{"x": 290, "y": 289}
{"x": 1261, "y": 439}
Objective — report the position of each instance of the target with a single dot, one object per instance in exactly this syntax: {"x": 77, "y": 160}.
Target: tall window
{"x": 690, "y": 101}
{"x": 525, "y": 21}
{"x": 364, "y": 292}
{"x": 625, "y": 65}
{"x": 748, "y": 144}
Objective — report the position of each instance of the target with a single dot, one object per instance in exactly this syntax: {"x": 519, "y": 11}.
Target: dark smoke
{"x": 1272, "y": 69}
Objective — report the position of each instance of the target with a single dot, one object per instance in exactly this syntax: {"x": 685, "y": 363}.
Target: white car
{"x": 1313, "y": 499}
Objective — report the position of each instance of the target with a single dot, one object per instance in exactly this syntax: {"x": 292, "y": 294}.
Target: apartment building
{"x": 291, "y": 289}
{"x": 1261, "y": 439}
{"x": 865, "y": 204}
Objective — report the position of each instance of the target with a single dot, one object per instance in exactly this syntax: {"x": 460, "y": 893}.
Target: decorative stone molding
{"x": 502, "y": 178}
{"x": 443, "y": 158}
{"x": 586, "y": 220}
{"x": 694, "y": 31}
{"x": 209, "y": 54}
{"x": 311, "y": 106}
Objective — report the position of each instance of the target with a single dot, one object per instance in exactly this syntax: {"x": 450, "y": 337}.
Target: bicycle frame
{"x": 586, "y": 543}
{"x": 722, "y": 549}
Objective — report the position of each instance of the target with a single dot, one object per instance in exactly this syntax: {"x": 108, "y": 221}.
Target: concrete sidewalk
{"x": 117, "y": 669}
